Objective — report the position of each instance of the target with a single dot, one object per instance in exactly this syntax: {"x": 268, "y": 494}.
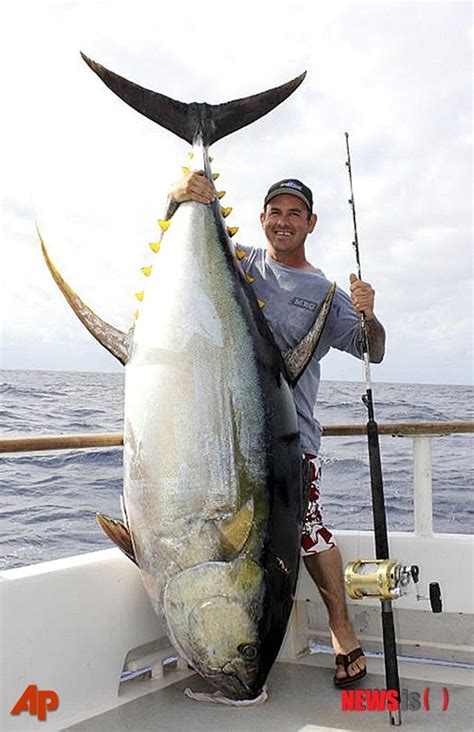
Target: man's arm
{"x": 191, "y": 187}
{"x": 363, "y": 296}
{"x": 376, "y": 338}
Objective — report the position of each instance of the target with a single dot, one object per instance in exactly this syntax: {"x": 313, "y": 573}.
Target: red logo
{"x": 369, "y": 700}
{"x": 36, "y": 702}
{"x": 380, "y": 700}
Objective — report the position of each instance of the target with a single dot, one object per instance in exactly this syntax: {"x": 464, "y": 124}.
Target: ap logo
{"x": 36, "y": 702}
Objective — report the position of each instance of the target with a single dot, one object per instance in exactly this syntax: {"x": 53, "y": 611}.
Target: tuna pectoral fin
{"x": 233, "y": 532}
{"x": 298, "y": 357}
{"x": 209, "y": 122}
{"x": 118, "y": 532}
{"x": 111, "y": 338}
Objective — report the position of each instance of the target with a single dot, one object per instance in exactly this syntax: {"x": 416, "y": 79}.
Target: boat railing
{"x": 421, "y": 434}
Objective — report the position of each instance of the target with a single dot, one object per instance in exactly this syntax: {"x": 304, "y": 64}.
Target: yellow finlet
{"x": 147, "y": 270}
{"x": 140, "y": 295}
{"x": 191, "y": 154}
{"x": 155, "y": 246}
{"x": 234, "y": 531}
{"x": 210, "y": 159}
{"x": 261, "y": 303}
{"x": 240, "y": 254}
{"x": 226, "y": 211}
{"x": 215, "y": 176}
{"x": 164, "y": 224}
{"x": 220, "y": 194}
{"x": 231, "y": 230}
{"x": 136, "y": 314}
{"x": 186, "y": 169}
{"x": 249, "y": 278}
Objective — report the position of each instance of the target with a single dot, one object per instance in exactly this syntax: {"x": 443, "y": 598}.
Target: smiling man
{"x": 287, "y": 219}
{"x": 290, "y": 291}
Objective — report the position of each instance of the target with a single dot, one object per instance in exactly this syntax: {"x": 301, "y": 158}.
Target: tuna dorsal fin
{"x": 207, "y": 122}
{"x": 298, "y": 357}
{"x": 114, "y": 340}
{"x": 118, "y": 533}
{"x": 234, "y": 531}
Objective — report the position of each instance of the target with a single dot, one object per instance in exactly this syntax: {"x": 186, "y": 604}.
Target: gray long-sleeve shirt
{"x": 292, "y": 299}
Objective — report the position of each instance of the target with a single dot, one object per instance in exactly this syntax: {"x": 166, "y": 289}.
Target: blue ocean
{"x": 49, "y": 499}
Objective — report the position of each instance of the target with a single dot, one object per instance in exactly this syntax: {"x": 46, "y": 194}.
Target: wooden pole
{"x": 60, "y": 442}
{"x": 33, "y": 443}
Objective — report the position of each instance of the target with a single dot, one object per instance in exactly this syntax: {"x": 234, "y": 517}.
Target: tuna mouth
{"x": 241, "y": 690}
{"x": 235, "y": 687}
{"x": 244, "y": 689}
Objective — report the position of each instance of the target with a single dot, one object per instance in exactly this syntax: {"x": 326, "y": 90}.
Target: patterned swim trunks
{"x": 315, "y": 536}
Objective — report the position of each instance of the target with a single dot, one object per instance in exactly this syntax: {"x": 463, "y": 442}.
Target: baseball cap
{"x": 293, "y": 187}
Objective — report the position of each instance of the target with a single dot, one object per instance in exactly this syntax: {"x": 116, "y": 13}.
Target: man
{"x": 291, "y": 291}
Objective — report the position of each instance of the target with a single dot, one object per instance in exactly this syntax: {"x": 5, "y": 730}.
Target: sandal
{"x": 345, "y": 660}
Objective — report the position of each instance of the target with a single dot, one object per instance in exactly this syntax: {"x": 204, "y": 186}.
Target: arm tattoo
{"x": 376, "y": 338}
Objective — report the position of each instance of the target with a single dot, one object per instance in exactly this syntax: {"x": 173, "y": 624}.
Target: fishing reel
{"x": 387, "y": 579}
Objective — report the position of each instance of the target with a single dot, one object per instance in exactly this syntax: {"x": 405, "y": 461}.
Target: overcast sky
{"x": 396, "y": 75}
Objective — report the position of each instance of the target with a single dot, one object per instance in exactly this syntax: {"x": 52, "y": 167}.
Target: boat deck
{"x": 301, "y": 698}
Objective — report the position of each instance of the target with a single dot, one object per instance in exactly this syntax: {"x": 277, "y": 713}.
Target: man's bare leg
{"x": 326, "y": 570}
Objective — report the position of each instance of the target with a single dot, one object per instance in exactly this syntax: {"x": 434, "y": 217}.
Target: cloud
{"x": 96, "y": 174}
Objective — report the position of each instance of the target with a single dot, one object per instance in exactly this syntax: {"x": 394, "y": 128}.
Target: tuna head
{"x": 212, "y": 611}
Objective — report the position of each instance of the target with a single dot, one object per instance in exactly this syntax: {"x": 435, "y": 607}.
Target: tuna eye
{"x": 248, "y": 651}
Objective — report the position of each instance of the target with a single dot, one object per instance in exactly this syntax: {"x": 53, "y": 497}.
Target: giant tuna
{"x": 213, "y": 488}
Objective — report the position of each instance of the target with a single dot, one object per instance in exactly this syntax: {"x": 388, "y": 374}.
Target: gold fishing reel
{"x": 382, "y": 578}
{"x": 386, "y": 579}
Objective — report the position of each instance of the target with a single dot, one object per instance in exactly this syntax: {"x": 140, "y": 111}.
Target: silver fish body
{"x": 209, "y": 423}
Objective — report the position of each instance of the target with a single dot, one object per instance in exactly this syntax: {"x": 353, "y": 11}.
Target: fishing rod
{"x": 383, "y": 570}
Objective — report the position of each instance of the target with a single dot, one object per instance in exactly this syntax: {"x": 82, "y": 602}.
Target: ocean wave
{"x": 341, "y": 461}
{"x": 50, "y": 498}
{"x": 30, "y": 392}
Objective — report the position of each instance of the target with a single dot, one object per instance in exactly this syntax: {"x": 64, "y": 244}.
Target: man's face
{"x": 286, "y": 222}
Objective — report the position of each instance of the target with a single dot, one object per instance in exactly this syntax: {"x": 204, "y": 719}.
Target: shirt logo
{"x": 300, "y": 302}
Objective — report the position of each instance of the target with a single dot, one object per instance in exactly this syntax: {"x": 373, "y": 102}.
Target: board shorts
{"x": 315, "y": 536}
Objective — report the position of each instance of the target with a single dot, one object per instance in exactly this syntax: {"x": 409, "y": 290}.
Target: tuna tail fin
{"x": 113, "y": 339}
{"x": 299, "y": 357}
{"x": 207, "y": 122}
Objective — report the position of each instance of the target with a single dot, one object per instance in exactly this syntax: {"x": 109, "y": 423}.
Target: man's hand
{"x": 362, "y": 296}
{"x": 193, "y": 187}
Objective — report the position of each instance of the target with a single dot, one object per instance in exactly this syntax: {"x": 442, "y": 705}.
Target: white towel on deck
{"x": 217, "y": 697}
